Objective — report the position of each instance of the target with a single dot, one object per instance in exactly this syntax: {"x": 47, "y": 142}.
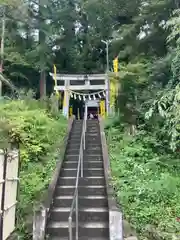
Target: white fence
{"x": 9, "y": 165}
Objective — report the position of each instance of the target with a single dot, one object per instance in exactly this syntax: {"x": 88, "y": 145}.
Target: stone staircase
{"x": 92, "y": 202}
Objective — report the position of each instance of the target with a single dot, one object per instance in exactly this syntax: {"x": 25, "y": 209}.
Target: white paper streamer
{"x": 93, "y": 96}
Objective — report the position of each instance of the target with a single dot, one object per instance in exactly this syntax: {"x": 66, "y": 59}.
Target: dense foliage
{"x": 145, "y": 136}
{"x": 149, "y": 80}
{"x": 147, "y": 185}
{"x": 145, "y": 159}
{"x": 40, "y": 134}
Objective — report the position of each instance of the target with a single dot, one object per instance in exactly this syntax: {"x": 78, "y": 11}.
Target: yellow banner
{"x": 70, "y": 111}
{"x": 64, "y": 100}
{"x": 55, "y": 75}
{"x": 102, "y": 108}
{"x": 115, "y": 65}
{"x": 113, "y": 91}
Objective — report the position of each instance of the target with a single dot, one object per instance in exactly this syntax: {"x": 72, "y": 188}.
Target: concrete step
{"x": 70, "y": 151}
{"x": 92, "y": 121}
{"x": 87, "y": 190}
{"x": 92, "y": 180}
{"x": 73, "y": 145}
{"x": 72, "y": 172}
{"x": 77, "y": 125}
{"x": 72, "y": 142}
{"x": 76, "y": 133}
{"x": 75, "y": 138}
{"x": 93, "y": 157}
{"x": 80, "y": 238}
{"x": 90, "y": 130}
{"x": 76, "y": 129}
{"x": 94, "y": 147}
{"x": 95, "y": 152}
{"x": 63, "y": 181}
{"x": 92, "y": 144}
{"x": 93, "y": 130}
{"x": 92, "y": 139}
{"x": 87, "y": 157}
{"x": 72, "y": 148}
{"x": 83, "y": 201}
{"x": 91, "y": 124}
{"x": 71, "y": 157}
{"x": 86, "y": 164}
{"x": 84, "y": 214}
{"x": 92, "y": 127}
{"x": 77, "y": 122}
{"x": 86, "y": 230}
{"x": 96, "y": 142}
{"x": 71, "y": 181}
{"x": 92, "y": 134}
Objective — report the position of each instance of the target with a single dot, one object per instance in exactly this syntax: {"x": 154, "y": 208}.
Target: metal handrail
{"x": 80, "y": 167}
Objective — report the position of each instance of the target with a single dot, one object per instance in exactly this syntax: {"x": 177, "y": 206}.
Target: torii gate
{"x": 70, "y": 83}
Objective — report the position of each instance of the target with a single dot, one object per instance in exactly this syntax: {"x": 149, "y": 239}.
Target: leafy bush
{"x": 147, "y": 185}
{"x": 39, "y": 135}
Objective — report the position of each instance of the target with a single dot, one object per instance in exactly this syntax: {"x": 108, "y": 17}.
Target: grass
{"x": 147, "y": 185}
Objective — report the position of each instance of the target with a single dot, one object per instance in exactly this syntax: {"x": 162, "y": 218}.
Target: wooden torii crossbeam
{"x": 81, "y": 82}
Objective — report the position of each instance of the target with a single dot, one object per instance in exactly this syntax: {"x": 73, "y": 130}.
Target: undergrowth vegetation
{"x": 145, "y": 136}
{"x": 39, "y": 132}
{"x": 146, "y": 182}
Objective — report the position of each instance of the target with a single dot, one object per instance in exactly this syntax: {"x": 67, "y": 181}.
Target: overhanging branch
{"x": 8, "y": 83}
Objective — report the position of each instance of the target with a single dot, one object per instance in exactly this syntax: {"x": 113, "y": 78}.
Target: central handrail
{"x": 79, "y": 167}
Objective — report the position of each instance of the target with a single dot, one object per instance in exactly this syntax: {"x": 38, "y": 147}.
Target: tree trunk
{"x": 42, "y": 39}
{"x": 42, "y": 84}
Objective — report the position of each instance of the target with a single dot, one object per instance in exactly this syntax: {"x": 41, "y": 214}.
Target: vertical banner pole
{"x": 113, "y": 96}
{"x": 107, "y": 95}
{"x": 66, "y": 100}
{"x": 114, "y": 85}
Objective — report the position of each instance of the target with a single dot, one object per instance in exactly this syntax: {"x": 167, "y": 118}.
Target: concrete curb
{"x": 115, "y": 214}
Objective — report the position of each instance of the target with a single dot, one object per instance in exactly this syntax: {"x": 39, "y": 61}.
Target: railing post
{"x": 81, "y": 156}
{"x": 70, "y": 228}
{"x": 84, "y": 141}
{"x": 84, "y": 133}
{"x": 76, "y": 194}
{"x": 3, "y": 162}
{"x": 85, "y": 118}
{"x": 77, "y": 217}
